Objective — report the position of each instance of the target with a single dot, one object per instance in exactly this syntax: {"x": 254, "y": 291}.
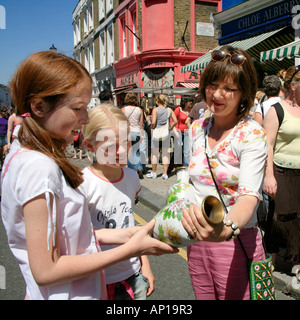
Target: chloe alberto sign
{"x": 277, "y": 15}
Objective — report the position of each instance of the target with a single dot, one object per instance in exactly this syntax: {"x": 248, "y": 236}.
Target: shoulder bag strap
{"x": 219, "y": 193}
{"x": 280, "y": 112}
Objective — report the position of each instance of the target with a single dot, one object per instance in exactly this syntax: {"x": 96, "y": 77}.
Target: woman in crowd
{"x": 136, "y": 120}
{"x": 13, "y": 121}
{"x": 282, "y": 181}
{"x": 272, "y": 86}
{"x": 236, "y": 149}
{"x": 182, "y": 113}
{"x": 45, "y": 215}
{"x": 161, "y": 116}
{"x": 3, "y": 134}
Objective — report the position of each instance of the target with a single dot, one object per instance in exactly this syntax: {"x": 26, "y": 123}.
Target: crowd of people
{"x": 72, "y": 231}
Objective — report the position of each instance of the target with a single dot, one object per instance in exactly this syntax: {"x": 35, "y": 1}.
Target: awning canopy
{"x": 192, "y": 85}
{"x": 245, "y": 44}
{"x": 289, "y": 51}
{"x": 168, "y": 91}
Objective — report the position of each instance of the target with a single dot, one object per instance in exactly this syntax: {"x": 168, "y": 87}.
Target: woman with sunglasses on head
{"x": 45, "y": 215}
{"x": 235, "y": 146}
{"x": 282, "y": 180}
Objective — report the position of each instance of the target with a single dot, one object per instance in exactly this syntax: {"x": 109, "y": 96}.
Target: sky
{"x": 32, "y": 26}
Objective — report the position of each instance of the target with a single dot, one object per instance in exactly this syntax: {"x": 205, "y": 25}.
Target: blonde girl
{"x": 111, "y": 188}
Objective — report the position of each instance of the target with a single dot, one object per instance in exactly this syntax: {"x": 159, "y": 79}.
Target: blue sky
{"x": 32, "y": 26}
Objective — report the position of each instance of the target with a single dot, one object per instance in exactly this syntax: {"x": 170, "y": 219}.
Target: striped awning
{"x": 191, "y": 85}
{"x": 245, "y": 44}
{"x": 289, "y": 51}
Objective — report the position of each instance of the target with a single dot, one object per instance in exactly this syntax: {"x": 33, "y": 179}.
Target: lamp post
{"x": 52, "y": 48}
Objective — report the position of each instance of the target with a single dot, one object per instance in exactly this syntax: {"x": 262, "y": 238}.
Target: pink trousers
{"x": 219, "y": 270}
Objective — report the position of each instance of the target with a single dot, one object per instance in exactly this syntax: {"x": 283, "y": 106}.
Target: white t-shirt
{"x": 133, "y": 114}
{"x": 267, "y": 104}
{"x": 111, "y": 206}
{"x": 30, "y": 174}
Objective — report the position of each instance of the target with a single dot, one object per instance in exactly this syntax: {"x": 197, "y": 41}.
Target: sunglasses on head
{"x": 236, "y": 59}
{"x": 297, "y": 69}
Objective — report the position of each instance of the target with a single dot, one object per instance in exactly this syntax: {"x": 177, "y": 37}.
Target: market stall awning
{"x": 165, "y": 90}
{"x": 289, "y": 51}
{"x": 191, "y": 85}
{"x": 245, "y": 44}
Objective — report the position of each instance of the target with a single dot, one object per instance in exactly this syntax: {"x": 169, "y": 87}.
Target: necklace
{"x": 293, "y": 103}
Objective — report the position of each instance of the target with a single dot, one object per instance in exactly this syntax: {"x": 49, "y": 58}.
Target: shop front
{"x": 154, "y": 71}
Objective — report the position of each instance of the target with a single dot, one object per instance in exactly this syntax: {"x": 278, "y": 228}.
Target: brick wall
{"x": 202, "y": 11}
{"x": 182, "y": 14}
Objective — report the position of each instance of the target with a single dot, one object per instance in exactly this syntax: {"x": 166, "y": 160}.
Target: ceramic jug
{"x": 168, "y": 227}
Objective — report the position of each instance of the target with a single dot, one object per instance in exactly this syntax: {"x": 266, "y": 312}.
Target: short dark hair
{"x": 185, "y": 99}
{"x": 271, "y": 86}
{"x": 244, "y": 76}
{"x": 105, "y": 95}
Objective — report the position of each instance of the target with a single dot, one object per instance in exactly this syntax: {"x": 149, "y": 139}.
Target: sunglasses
{"x": 297, "y": 69}
{"x": 235, "y": 59}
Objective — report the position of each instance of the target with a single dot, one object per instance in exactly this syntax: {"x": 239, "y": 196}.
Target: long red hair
{"x": 48, "y": 76}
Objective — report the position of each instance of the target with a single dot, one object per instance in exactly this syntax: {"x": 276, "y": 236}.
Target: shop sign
{"x": 126, "y": 80}
{"x": 205, "y": 29}
{"x": 154, "y": 64}
{"x": 279, "y": 11}
{"x": 194, "y": 76}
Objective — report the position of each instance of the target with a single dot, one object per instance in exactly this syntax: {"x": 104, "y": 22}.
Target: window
{"x": 110, "y": 45}
{"x": 89, "y": 61}
{"x": 124, "y": 38}
{"x": 102, "y": 50}
{"x": 91, "y": 58}
{"x": 109, "y": 5}
{"x": 133, "y": 40}
{"x": 90, "y": 16}
{"x": 85, "y": 23}
{"x": 77, "y": 37}
{"x": 135, "y": 31}
{"x": 101, "y": 9}
{"x": 88, "y": 19}
{"x": 86, "y": 58}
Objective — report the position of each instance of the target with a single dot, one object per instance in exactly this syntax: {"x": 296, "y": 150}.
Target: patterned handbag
{"x": 262, "y": 285}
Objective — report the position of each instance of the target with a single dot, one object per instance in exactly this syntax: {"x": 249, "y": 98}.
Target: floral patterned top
{"x": 237, "y": 162}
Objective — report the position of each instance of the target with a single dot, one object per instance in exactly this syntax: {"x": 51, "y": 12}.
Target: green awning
{"x": 289, "y": 51}
{"x": 245, "y": 44}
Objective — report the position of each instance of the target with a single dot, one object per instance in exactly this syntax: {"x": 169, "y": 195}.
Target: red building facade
{"x": 142, "y": 43}
{"x": 155, "y": 38}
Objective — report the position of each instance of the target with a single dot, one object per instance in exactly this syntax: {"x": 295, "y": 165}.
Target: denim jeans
{"x": 134, "y": 161}
{"x": 139, "y": 285}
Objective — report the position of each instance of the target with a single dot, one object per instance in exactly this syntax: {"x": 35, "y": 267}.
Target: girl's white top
{"x": 29, "y": 175}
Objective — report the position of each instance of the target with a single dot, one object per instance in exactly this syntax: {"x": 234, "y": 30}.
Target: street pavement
{"x": 153, "y": 195}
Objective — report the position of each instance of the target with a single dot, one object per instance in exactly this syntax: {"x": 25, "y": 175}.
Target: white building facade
{"x": 93, "y": 23}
